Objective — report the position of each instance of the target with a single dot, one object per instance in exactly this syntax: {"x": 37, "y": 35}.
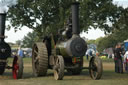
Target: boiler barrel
{"x": 75, "y": 47}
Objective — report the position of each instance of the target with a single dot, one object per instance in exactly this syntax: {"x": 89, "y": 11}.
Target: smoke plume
{"x": 5, "y": 4}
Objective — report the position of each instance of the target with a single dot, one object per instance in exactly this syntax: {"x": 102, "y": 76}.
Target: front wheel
{"x": 59, "y": 68}
{"x": 95, "y": 68}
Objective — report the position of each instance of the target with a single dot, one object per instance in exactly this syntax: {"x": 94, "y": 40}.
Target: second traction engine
{"x": 64, "y": 51}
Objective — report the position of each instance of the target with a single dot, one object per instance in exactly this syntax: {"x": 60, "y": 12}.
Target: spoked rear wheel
{"x": 39, "y": 59}
{"x": 17, "y": 70}
{"x": 95, "y": 68}
{"x": 59, "y": 68}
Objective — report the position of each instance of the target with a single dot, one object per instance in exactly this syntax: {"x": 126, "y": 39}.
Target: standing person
{"x": 126, "y": 61}
{"x": 87, "y": 56}
{"x": 115, "y": 59}
{"x": 20, "y": 52}
{"x": 118, "y": 54}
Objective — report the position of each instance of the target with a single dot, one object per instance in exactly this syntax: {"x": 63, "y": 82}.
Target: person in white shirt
{"x": 126, "y": 61}
{"x": 20, "y": 52}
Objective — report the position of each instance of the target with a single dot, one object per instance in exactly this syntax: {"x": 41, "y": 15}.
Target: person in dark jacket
{"x": 118, "y": 58}
{"x": 115, "y": 59}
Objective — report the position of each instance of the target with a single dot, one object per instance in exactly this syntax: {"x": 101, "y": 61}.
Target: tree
{"x": 46, "y": 16}
{"x": 106, "y": 42}
{"x": 91, "y": 41}
{"x": 119, "y": 32}
{"x": 97, "y": 41}
{"x": 97, "y": 14}
{"x": 40, "y": 15}
{"x": 19, "y": 42}
{"x": 29, "y": 40}
{"x": 112, "y": 39}
{"x": 122, "y": 21}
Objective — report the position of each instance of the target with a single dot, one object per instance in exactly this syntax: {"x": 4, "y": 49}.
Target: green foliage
{"x": 19, "y": 42}
{"x": 29, "y": 40}
{"x": 43, "y": 16}
{"x": 97, "y": 14}
{"x": 122, "y": 22}
{"x": 106, "y": 42}
{"x": 47, "y": 16}
{"x": 91, "y": 42}
{"x": 112, "y": 39}
{"x": 119, "y": 34}
{"x": 97, "y": 41}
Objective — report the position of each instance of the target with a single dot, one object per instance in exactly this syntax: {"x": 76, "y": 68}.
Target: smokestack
{"x": 2, "y": 26}
{"x": 75, "y": 18}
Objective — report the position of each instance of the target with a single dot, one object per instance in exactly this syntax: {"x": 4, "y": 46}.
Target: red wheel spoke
{"x": 15, "y": 67}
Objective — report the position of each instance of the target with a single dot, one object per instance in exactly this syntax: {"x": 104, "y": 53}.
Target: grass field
{"x": 109, "y": 77}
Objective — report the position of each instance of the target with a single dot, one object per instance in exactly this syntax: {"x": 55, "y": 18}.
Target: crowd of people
{"x": 22, "y": 52}
{"x": 120, "y": 58}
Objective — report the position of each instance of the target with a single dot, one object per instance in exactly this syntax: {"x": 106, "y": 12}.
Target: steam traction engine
{"x": 5, "y": 52}
{"x": 64, "y": 51}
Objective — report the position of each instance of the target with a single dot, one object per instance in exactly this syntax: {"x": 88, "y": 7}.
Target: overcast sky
{"x": 92, "y": 33}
